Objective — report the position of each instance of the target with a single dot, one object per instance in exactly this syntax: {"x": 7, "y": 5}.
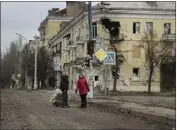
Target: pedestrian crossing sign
{"x": 110, "y": 59}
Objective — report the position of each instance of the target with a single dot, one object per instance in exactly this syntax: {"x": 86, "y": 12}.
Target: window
{"x": 167, "y": 28}
{"x": 136, "y": 74}
{"x": 79, "y": 32}
{"x": 58, "y": 47}
{"x": 149, "y": 27}
{"x": 136, "y": 53}
{"x": 94, "y": 27}
{"x": 96, "y": 78}
{"x": 136, "y": 27}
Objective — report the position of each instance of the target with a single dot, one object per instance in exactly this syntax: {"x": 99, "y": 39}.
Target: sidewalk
{"x": 138, "y": 106}
{"x": 148, "y": 112}
{"x": 157, "y": 101}
{"x": 158, "y": 114}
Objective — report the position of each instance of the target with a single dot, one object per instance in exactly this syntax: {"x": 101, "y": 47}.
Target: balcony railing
{"x": 66, "y": 47}
{"x": 57, "y": 52}
{"x": 169, "y": 37}
{"x": 79, "y": 40}
{"x": 72, "y": 44}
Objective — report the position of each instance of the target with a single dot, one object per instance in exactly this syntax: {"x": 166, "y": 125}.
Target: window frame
{"x": 146, "y": 27}
{"x": 134, "y": 28}
{"x": 96, "y": 78}
{"x": 138, "y": 77}
{"x": 168, "y": 30}
{"x": 95, "y": 30}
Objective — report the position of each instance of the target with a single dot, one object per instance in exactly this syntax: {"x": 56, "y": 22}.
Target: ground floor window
{"x": 96, "y": 78}
{"x": 136, "y": 73}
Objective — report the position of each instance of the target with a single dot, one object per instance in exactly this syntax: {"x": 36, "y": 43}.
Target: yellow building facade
{"x": 134, "y": 19}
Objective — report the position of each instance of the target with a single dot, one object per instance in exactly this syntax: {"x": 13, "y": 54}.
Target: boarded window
{"x": 136, "y": 53}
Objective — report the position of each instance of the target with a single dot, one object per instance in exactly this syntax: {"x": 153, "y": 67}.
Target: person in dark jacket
{"x": 64, "y": 85}
{"x": 83, "y": 88}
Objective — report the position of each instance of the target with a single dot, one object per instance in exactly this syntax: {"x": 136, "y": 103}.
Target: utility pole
{"x": 90, "y": 27}
{"x": 90, "y": 39}
{"x": 35, "y": 69}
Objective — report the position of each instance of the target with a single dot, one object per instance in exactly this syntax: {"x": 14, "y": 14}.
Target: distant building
{"x": 55, "y": 21}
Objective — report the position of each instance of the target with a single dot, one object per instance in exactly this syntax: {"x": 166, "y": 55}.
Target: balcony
{"x": 66, "y": 49}
{"x": 171, "y": 37}
{"x": 56, "y": 53}
{"x": 79, "y": 59}
{"x": 79, "y": 40}
{"x": 71, "y": 44}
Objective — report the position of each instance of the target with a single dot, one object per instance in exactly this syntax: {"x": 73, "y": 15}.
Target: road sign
{"x": 57, "y": 66}
{"x": 110, "y": 59}
{"x": 101, "y": 54}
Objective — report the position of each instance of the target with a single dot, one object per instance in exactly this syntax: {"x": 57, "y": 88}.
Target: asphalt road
{"x": 32, "y": 110}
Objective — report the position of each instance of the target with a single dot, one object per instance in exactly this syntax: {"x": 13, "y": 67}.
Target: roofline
{"x": 53, "y": 18}
{"x": 78, "y": 17}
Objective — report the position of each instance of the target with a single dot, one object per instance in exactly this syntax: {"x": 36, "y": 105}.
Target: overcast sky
{"x": 23, "y": 18}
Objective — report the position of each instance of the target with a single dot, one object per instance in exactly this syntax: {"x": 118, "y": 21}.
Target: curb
{"x": 145, "y": 116}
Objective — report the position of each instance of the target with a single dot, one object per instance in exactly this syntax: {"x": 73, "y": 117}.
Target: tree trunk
{"x": 150, "y": 80}
{"x": 116, "y": 71}
{"x": 115, "y": 84}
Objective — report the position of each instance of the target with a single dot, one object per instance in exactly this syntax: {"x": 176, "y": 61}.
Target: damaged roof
{"x": 138, "y": 5}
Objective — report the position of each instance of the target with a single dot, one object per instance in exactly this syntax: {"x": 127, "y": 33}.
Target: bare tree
{"x": 44, "y": 64}
{"x": 155, "y": 51}
{"x": 10, "y": 60}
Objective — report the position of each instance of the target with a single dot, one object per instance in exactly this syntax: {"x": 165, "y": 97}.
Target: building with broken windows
{"x": 131, "y": 20}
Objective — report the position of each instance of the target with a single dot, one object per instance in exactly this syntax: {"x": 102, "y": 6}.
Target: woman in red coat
{"x": 83, "y": 88}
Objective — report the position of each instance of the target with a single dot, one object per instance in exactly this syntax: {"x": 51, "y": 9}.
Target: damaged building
{"x": 121, "y": 24}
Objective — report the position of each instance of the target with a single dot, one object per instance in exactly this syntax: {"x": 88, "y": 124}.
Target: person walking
{"x": 83, "y": 88}
{"x": 64, "y": 85}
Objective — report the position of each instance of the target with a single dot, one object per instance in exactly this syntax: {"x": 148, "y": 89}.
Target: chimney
{"x": 49, "y": 12}
{"x": 73, "y": 8}
{"x": 53, "y": 11}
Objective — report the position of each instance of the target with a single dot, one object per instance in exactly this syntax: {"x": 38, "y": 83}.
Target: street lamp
{"x": 25, "y": 52}
{"x": 36, "y": 45}
{"x": 35, "y": 70}
{"x": 22, "y": 37}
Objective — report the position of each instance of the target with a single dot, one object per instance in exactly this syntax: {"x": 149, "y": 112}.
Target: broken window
{"x": 149, "y": 27}
{"x": 136, "y": 73}
{"x": 136, "y": 27}
{"x": 96, "y": 78}
{"x": 94, "y": 27}
{"x": 167, "y": 28}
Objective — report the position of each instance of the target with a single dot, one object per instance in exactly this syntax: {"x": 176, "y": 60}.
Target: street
{"x": 32, "y": 110}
